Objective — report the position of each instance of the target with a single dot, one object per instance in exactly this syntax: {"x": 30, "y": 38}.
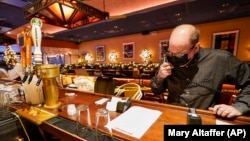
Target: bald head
{"x": 184, "y": 36}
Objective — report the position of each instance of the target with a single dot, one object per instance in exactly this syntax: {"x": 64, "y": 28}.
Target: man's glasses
{"x": 178, "y": 55}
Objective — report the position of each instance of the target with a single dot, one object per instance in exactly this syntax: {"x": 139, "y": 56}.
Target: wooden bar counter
{"x": 171, "y": 115}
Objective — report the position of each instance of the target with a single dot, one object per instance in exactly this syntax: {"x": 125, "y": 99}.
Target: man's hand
{"x": 225, "y": 111}
{"x": 165, "y": 70}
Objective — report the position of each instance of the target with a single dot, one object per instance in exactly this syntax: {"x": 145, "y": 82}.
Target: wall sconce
{"x": 69, "y": 53}
{"x": 80, "y": 60}
{"x": 145, "y": 55}
{"x": 88, "y": 58}
{"x": 113, "y": 56}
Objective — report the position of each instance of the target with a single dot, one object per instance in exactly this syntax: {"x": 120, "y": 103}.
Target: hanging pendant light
{"x": 64, "y": 13}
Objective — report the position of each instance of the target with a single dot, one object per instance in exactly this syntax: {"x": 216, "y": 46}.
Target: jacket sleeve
{"x": 241, "y": 73}
{"x": 242, "y": 101}
{"x": 158, "y": 85}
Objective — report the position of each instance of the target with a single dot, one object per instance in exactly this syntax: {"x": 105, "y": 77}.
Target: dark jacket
{"x": 199, "y": 85}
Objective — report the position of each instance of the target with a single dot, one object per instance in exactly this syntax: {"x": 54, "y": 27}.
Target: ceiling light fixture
{"x": 64, "y": 13}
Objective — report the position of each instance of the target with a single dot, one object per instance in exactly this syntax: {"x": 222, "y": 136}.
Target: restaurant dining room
{"x": 118, "y": 70}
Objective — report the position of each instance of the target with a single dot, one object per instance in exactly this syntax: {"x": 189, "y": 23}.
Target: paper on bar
{"x": 135, "y": 121}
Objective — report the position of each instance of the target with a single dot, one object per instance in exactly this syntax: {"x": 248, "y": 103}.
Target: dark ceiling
{"x": 145, "y": 21}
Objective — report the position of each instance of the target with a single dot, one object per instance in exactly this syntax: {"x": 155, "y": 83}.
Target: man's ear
{"x": 197, "y": 46}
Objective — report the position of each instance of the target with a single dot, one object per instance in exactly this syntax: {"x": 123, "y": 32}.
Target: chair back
{"x": 81, "y": 71}
{"x": 229, "y": 93}
{"x": 104, "y": 85}
{"x": 131, "y": 90}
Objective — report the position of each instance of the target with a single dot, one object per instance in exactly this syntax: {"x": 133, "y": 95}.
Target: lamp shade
{"x": 64, "y": 13}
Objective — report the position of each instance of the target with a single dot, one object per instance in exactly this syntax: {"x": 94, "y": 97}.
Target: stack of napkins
{"x": 135, "y": 121}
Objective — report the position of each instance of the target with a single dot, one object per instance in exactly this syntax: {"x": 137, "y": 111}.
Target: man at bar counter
{"x": 194, "y": 75}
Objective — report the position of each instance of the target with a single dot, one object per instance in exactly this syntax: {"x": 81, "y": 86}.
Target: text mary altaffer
{"x": 195, "y": 132}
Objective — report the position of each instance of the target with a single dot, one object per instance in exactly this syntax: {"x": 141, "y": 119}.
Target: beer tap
{"x": 39, "y": 81}
{"x": 26, "y": 74}
{"x": 31, "y": 74}
{"x": 38, "y": 73}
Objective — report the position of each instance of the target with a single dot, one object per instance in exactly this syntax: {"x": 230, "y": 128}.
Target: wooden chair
{"x": 231, "y": 101}
{"x": 81, "y": 71}
{"x": 229, "y": 93}
{"x": 104, "y": 85}
{"x": 149, "y": 95}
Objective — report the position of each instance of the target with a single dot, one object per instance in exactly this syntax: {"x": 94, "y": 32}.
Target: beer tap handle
{"x": 38, "y": 73}
{"x": 38, "y": 81}
{"x": 26, "y": 74}
{"x": 25, "y": 78}
{"x": 30, "y": 78}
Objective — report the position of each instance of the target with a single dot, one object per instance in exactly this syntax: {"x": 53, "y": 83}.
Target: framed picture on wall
{"x": 100, "y": 53}
{"x": 163, "y": 47}
{"x": 128, "y": 50}
{"x": 226, "y": 41}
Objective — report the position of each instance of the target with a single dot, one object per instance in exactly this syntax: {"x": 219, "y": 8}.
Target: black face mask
{"x": 178, "y": 61}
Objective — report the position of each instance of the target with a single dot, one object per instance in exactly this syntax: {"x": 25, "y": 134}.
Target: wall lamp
{"x": 69, "y": 53}
{"x": 113, "y": 56}
{"x": 88, "y": 58}
{"x": 145, "y": 55}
